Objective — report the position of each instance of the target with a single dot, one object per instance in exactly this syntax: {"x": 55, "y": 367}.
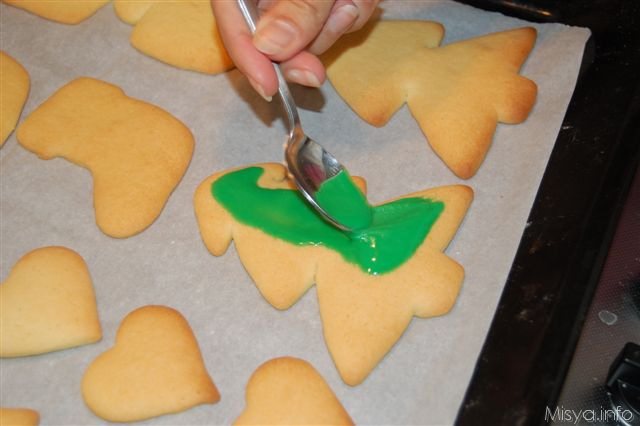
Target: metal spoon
{"x": 309, "y": 163}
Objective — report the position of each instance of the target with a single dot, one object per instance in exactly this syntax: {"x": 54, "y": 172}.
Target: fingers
{"x": 345, "y": 16}
{"x": 305, "y": 69}
{"x": 292, "y": 32}
{"x": 238, "y": 41}
{"x": 302, "y": 67}
{"x": 366, "y": 9}
{"x": 287, "y": 27}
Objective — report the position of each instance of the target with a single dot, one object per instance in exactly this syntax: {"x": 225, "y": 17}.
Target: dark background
{"x": 522, "y": 365}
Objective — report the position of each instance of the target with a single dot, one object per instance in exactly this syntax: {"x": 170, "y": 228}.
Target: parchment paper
{"x": 424, "y": 377}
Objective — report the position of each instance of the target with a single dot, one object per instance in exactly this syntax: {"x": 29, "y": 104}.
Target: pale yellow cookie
{"x": 154, "y": 368}
{"x": 14, "y": 88}
{"x": 47, "y": 303}
{"x": 457, "y": 93}
{"x": 183, "y": 34}
{"x": 136, "y": 152}
{"x": 130, "y": 11}
{"x": 289, "y": 391}
{"x": 18, "y": 417}
{"x": 63, "y": 11}
{"x": 379, "y": 52}
{"x": 363, "y": 315}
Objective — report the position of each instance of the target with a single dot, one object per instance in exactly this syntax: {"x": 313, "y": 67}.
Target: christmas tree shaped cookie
{"x": 457, "y": 93}
{"x": 370, "y": 283}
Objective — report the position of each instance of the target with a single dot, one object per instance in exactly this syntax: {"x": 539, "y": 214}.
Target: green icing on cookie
{"x": 344, "y": 202}
{"x": 396, "y": 230}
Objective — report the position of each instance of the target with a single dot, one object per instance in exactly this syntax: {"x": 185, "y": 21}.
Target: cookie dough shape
{"x": 47, "y": 303}
{"x": 457, "y": 93}
{"x": 180, "y": 33}
{"x": 62, "y": 11}
{"x": 14, "y": 86}
{"x": 136, "y": 152}
{"x": 363, "y": 315}
{"x": 289, "y": 391}
{"x": 19, "y": 417}
{"x": 155, "y": 368}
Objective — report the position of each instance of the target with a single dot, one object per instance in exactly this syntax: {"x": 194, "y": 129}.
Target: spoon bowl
{"x": 311, "y": 165}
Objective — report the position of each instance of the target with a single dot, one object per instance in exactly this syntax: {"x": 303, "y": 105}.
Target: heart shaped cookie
{"x": 290, "y": 391}
{"x": 47, "y": 303}
{"x": 155, "y": 368}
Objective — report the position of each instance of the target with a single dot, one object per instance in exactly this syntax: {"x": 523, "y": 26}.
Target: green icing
{"x": 396, "y": 230}
{"x": 344, "y": 202}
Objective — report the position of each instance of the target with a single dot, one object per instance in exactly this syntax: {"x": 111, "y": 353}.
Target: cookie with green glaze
{"x": 363, "y": 313}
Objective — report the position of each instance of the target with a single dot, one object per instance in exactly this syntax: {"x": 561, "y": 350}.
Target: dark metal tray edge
{"x": 526, "y": 354}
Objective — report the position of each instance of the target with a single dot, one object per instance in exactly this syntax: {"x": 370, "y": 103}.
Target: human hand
{"x": 290, "y": 32}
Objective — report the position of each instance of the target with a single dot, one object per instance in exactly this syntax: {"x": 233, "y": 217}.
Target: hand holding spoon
{"x": 319, "y": 176}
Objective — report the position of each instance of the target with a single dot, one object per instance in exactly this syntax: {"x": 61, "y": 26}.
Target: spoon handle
{"x": 251, "y": 15}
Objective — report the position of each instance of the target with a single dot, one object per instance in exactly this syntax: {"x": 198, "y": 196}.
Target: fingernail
{"x": 274, "y": 36}
{"x": 342, "y": 19}
{"x": 258, "y": 88}
{"x": 304, "y": 77}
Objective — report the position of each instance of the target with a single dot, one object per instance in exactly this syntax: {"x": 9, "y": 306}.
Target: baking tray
{"x": 534, "y": 332}
{"x": 423, "y": 379}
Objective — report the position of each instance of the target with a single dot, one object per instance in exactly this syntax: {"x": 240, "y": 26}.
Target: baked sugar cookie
{"x": 136, "y": 152}
{"x": 63, "y": 11}
{"x": 14, "y": 86}
{"x": 130, "y": 11}
{"x": 47, "y": 303}
{"x": 154, "y": 368}
{"x": 367, "y": 297}
{"x": 180, "y": 33}
{"x": 289, "y": 391}
{"x": 19, "y": 417}
{"x": 457, "y": 93}
{"x": 382, "y": 50}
